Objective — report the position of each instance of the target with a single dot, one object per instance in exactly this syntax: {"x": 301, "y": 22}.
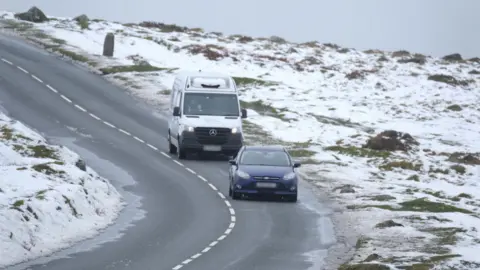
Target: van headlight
{"x": 289, "y": 176}
{"x": 189, "y": 128}
{"x": 235, "y": 130}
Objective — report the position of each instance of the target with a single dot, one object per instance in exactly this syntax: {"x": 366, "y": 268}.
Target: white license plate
{"x": 266, "y": 185}
{"x": 212, "y": 148}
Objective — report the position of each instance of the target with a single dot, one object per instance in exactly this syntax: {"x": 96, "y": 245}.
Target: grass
{"x": 417, "y": 205}
{"x": 46, "y": 169}
{"x": 74, "y": 56}
{"x": 403, "y": 164}
{"x": 18, "y": 203}
{"x": 366, "y": 266}
{"x": 358, "y": 151}
{"x": 43, "y": 151}
{"x": 69, "y": 203}
{"x": 245, "y": 81}
{"x": 454, "y": 107}
{"x": 301, "y": 153}
{"x": 459, "y": 169}
{"x": 131, "y": 68}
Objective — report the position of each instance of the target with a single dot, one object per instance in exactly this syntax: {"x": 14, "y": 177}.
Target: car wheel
{"x": 292, "y": 198}
{"x": 172, "y": 149}
{"x": 235, "y": 195}
{"x": 181, "y": 153}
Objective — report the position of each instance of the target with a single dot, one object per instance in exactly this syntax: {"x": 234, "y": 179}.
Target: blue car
{"x": 263, "y": 170}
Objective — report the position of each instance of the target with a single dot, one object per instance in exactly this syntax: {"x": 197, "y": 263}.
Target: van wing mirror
{"x": 244, "y": 113}
{"x": 297, "y": 164}
{"x": 176, "y": 111}
{"x": 232, "y": 162}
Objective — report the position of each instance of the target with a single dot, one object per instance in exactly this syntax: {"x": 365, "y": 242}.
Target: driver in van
{"x": 194, "y": 107}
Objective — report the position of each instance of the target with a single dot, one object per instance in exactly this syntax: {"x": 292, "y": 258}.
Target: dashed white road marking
{"x": 179, "y": 163}
{"x": 94, "y": 116}
{"x": 165, "y": 155}
{"x": 51, "y": 88}
{"x": 109, "y": 124}
{"x": 212, "y": 186}
{"x": 80, "y": 108}
{"x": 36, "y": 78}
{"x": 124, "y": 132}
{"x": 24, "y": 71}
{"x": 66, "y": 99}
{"x": 138, "y": 139}
{"x": 153, "y": 147}
{"x": 6, "y": 61}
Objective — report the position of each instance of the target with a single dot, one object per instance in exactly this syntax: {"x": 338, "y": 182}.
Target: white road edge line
{"x": 231, "y": 210}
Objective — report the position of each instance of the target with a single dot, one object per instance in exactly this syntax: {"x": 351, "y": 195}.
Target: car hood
{"x": 212, "y": 121}
{"x": 272, "y": 171}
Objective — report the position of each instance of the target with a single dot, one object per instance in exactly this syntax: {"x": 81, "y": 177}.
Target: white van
{"x": 205, "y": 115}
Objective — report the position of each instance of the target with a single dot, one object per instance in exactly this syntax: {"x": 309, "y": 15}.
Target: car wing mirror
{"x": 296, "y": 164}
{"x": 232, "y": 162}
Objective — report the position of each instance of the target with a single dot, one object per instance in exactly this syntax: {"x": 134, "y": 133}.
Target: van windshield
{"x": 211, "y": 104}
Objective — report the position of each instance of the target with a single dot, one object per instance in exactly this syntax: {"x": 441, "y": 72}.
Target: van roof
{"x": 207, "y": 81}
{"x": 188, "y": 73}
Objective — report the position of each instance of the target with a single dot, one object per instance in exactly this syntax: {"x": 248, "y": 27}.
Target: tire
{"x": 172, "y": 149}
{"x": 292, "y": 198}
{"x": 235, "y": 195}
{"x": 181, "y": 153}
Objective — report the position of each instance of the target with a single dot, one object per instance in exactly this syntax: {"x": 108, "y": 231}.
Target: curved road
{"x": 187, "y": 218}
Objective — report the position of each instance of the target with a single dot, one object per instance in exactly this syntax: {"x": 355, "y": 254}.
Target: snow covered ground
{"x": 49, "y": 199}
{"x": 414, "y": 197}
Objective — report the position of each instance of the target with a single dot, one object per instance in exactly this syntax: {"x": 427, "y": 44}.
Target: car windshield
{"x": 211, "y": 104}
{"x": 265, "y": 158}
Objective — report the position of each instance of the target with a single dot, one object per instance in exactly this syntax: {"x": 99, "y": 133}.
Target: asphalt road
{"x": 183, "y": 214}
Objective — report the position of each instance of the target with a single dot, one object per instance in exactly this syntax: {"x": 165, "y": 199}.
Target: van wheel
{"x": 171, "y": 148}
{"x": 181, "y": 153}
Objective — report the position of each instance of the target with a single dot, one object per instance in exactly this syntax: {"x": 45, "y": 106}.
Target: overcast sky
{"x": 436, "y": 27}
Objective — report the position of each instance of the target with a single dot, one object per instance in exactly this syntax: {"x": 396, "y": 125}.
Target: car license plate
{"x": 212, "y": 148}
{"x": 266, "y": 185}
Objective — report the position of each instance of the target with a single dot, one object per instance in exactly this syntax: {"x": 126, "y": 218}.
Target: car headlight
{"x": 189, "y": 128}
{"x": 289, "y": 176}
{"x": 243, "y": 175}
{"x": 235, "y": 130}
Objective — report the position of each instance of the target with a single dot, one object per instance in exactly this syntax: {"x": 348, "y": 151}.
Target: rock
{"x": 453, "y": 57}
{"x": 355, "y": 75}
{"x": 81, "y": 165}
{"x": 448, "y": 80}
{"x": 292, "y": 50}
{"x": 34, "y": 14}
{"x": 372, "y": 257}
{"x": 81, "y": 18}
{"x": 345, "y": 189}
{"x": 391, "y": 140}
{"x": 465, "y": 158}
{"x": 276, "y": 39}
{"x": 109, "y": 45}
{"x": 417, "y": 59}
{"x": 388, "y": 224}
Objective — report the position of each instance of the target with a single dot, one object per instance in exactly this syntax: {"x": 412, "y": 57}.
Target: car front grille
{"x": 203, "y": 135}
{"x": 266, "y": 178}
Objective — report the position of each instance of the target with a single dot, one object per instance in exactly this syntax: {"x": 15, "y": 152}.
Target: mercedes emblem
{"x": 213, "y": 132}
